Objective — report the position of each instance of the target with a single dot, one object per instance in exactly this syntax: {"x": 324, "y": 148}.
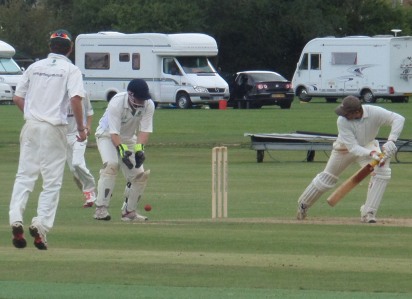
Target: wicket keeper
{"x": 121, "y": 136}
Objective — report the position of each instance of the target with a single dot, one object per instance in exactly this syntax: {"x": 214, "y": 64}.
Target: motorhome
{"x": 10, "y": 72}
{"x": 367, "y": 67}
{"x": 175, "y": 66}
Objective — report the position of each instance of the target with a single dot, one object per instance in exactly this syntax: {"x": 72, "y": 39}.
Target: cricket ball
{"x": 147, "y": 207}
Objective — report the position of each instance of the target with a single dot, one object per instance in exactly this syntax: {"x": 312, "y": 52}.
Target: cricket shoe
{"x": 368, "y": 217}
{"x": 89, "y": 199}
{"x": 39, "y": 237}
{"x": 102, "y": 213}
{"x": 18, "y": 235}
{"x": 302, "y": 211}
{"x": 132, "y": 216}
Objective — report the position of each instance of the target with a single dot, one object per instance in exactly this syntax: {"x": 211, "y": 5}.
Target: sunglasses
{"x": 60, "y": 35}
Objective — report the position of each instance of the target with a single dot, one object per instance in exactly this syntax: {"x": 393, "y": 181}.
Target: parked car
{"x": 254, "y": 89}
{"x": 6, "y": 94}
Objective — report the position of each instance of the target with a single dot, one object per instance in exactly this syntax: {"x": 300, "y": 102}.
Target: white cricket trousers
{"x": 77, "y": 163}
{"x": 43, "y": 150}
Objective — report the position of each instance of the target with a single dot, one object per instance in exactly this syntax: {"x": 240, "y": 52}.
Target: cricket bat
{"x": 351, "y": 183}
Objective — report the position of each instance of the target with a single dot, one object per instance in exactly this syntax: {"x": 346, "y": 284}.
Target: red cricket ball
{"x": 147, "y": 207}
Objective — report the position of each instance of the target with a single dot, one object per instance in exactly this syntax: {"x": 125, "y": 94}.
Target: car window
{"x": 260, "y": 77}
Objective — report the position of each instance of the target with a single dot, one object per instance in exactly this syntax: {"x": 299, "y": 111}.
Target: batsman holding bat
{"x": 123, "y": 131}
{"x": 358, "y": 127}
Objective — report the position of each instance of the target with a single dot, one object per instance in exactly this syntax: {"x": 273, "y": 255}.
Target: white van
{"x": 175, "y": 66}
{"x": 10, "y": 72}
{"x": 367, "y": 67}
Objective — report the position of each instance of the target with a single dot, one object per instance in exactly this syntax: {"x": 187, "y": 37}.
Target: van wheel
{"x": 302, "y": 94}
{"x": 183, "y": 101}
{"x": 368, "y": 97}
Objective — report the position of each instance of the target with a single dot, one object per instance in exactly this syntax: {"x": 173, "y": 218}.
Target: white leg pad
{"x": 377, "y": 187}
{"x": 319, "y": 185}
{"x": 135, "y": 191}
{"x": 106, "y": 184}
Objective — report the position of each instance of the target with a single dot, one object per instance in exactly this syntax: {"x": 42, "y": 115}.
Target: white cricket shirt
{"x": 47, "y": 86}
{"x": 355, "y": 134}
{"x": 119, "y": 118}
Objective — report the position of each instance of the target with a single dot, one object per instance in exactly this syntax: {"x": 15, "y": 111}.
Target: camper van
{"x": 175, "y": 66}
{"x": 367, "y": 67}
{"x": 10, "y": 72}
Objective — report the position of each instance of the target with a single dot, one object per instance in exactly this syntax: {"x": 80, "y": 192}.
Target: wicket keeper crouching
{"x": 123, "y": 131}
{"x": 358, "y": 127}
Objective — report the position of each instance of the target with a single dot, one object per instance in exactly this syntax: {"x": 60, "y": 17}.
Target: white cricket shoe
{"x": 368, "y": 217}
{"x": 302, "y": 211}
{"x": 101, "y": 213}
{"x": 89, "y": 199}
{"x": 39, "y": 236}
{"x": 132, "y": 216}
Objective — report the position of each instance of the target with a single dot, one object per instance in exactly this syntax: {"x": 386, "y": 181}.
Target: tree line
{"x": 251, "y": 34}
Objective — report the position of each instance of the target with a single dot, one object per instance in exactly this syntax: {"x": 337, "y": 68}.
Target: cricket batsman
{"x": 358, "y": 126}
{"x": 121, "y": 136}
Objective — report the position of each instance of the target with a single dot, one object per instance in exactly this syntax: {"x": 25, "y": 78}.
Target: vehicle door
{"x": 309, "y": 72}
{"x": 315, "y": 72}
{"x": 243, "y": 85}
{"x": 171, "y": 79}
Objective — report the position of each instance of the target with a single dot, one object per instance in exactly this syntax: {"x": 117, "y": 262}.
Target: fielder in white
{"x": 76, "y": 154}
{"x": 358, "y": 127}
{"x": 122, "y": 133}
{"x": 44, "y": 94}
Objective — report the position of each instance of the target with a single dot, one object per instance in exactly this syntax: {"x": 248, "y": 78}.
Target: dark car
{"x": 254, "y": 89}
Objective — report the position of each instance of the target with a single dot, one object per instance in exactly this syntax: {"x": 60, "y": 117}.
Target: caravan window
{"x": 97, "y": 61}
{"x": 124, "y": 57}
{"x": 349, "y": 58}
{"x": 304, "y": 63}
{"x": 136, "y": 61}
{"x": 315, "y": 61}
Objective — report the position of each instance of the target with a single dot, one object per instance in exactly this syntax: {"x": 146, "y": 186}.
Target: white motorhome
{"x": 368, "y": 67}
{"x": 10, "y": 72}
{"x": 175, "y": 66}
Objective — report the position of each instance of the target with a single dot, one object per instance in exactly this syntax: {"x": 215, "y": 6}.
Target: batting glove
{"x": 375, "y": 156}
{"x": 389, "y": 149}
{"x": 139, "y": 154}
{"x": 124, "y": 154}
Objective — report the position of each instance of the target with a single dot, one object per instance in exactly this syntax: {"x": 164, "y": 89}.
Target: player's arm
{"x": 19, "y": 101}
{"x": 77, "y": 108}
{"x": 89, "y": 124}
{"x": 143, "y": 137}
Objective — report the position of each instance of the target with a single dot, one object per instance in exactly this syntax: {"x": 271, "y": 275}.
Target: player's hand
{"x": 139, "y": 154}
{"x": 376, "y": 156}
{"x": 124, "y": 154}
{"x": 389, "y": 149}
{"x": 82, "y": 136}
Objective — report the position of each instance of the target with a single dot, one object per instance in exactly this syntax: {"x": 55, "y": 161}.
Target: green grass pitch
{"x": 260, "y": 251}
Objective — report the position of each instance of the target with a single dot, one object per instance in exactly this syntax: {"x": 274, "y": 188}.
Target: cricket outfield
{"x": 259, "y": 251}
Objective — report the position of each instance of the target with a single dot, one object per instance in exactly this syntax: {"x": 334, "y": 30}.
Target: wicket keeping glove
{"x": 124, "y": 153}
{"x": 139, "y": 154}
{"x": 389, "y": 149}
